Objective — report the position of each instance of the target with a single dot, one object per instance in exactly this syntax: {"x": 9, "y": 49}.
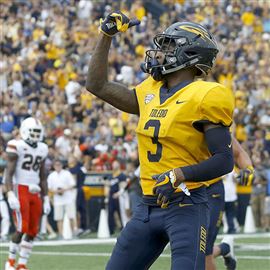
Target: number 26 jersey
{"x": 28, "y": 162}
{"x": 169, "y": 129}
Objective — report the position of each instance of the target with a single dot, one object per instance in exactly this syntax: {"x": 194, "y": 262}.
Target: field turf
{"x": 253, "y": 253}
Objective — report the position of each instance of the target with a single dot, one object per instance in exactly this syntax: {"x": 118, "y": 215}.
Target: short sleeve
{"x": 12, "y": 147}
{"x": 217, "y": 107}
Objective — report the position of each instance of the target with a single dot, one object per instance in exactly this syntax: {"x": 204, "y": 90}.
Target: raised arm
{"x": 116, "y": 94}
{"x": 243, "y": 162}
{"x": 241, "y": 157}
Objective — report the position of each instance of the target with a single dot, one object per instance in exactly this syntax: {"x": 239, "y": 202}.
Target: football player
{"x": 183, "y": 141}
{"x": 215, "y": 193}
{"x": 26, "y": 187}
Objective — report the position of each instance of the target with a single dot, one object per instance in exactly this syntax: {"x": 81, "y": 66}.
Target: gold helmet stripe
{"x": 198, "y": 31}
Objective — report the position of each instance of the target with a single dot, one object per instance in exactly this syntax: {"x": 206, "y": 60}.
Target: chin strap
{"x": 156, "y": 74}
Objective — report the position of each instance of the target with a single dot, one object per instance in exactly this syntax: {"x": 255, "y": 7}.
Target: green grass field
{"x": 253, "y": 253}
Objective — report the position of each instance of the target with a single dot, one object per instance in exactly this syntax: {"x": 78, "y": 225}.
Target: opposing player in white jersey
{"x": 26, "y": 189}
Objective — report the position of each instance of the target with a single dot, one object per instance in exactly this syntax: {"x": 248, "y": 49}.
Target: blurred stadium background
{"x": 45, "y": 48}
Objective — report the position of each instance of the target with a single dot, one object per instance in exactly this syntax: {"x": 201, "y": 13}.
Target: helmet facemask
{"x": 35, "y": 135}
{"x": 171, "y": 47}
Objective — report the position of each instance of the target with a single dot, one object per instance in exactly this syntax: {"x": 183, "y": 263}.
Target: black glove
{"x": 116, "y": 22}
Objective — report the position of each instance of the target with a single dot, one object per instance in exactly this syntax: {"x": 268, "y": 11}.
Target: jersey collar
{"x": 165, "y": 93}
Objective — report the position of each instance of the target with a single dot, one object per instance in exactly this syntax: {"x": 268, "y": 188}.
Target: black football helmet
{"x": 184, "y": 44}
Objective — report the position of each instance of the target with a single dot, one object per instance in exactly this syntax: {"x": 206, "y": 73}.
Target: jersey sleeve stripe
{"x": 11, "y": 148}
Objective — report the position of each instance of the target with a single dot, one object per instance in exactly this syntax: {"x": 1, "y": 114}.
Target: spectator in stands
{"x": 72, "y": 89}
{"x": 63, "y": 145}
{"x": 7, "y": 121}
{"x": 116, "y": 125}
{"x": 77, "y": 111}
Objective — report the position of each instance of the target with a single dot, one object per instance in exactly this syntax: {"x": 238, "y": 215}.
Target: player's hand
{"x": 46, "y": 205}
{"x": 164, "y": 187}
{"x": 13, "y": 201}
{"x": 116, "y": 22}
{"x": 246, "y": 176}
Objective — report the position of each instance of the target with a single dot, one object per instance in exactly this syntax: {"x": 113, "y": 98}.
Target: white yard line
{"x": 94, "y": 241}
{"x": 84, "y": 254}
{"x": 246, "y": 235}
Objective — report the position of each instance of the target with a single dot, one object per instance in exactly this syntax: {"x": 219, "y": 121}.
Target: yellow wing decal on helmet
{"x": 197, "y": 31}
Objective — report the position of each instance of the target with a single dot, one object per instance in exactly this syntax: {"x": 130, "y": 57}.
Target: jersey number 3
{"x": 156, "y": 156}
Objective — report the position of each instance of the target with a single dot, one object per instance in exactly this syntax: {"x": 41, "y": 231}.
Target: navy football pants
{"x": 151, "y": 228}
{"x": 216, "y": 202}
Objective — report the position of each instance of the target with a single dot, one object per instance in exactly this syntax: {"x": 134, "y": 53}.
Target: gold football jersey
{"x": 167, "y": 137}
